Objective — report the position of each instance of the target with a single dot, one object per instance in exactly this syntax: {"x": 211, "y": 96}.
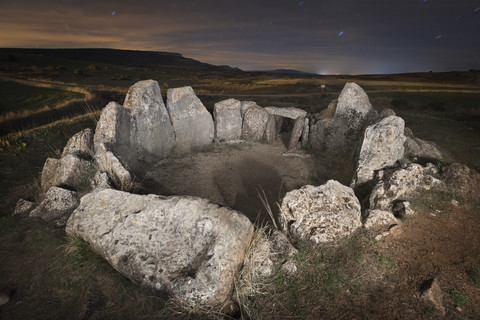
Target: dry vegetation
{"x": 50, "y": 276}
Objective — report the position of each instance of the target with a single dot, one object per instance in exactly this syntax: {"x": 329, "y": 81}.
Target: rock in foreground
{"x": 320, "y": 214}
{"x": 184, "y": 246}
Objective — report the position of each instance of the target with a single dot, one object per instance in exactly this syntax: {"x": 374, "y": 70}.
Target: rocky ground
{"x": 362, "y": 278}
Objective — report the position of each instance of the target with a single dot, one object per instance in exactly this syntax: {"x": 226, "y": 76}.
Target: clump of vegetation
{"x": 434, "y": 198}
{"x": 474, "y": 276}
{"x": 459, "y": 298}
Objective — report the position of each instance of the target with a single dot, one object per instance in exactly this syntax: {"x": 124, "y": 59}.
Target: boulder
{"x": 245, "y": 105}
{"x": 23, "y": 206}
{"x": 254, "y": 123}
{"x": 151, "y": 132}
{"x": 184, "y": 246}
{"x": 298, "y": 127}
{"x": 280, "y": 245}
{"x": 382, "y": 147}
{"x": 464, "y": 180}
{"x": 69, "y": 171}
{"x": 58, "y": 203}
{"x": 342, "y": 132}
{"x": 387, "y": 112}
{"x": 192, "y": 123}
{"x": 400, "y": 185}
{"x": 320, "y": 214}
{"x": 290, "y": 112}
{"x": 421, "y": 149}
{"x": 379, "y": 218}
{"x": 81, "y": 145}
{"x": 228, "y": 120}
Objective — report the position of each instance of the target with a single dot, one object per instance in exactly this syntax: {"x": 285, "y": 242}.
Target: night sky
{"x": 327, "y": 37}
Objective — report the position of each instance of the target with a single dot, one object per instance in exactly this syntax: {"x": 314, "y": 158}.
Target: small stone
{"x": 290, "y": 267}
{"x": 455, "y": 203}
{"x": 432, "y": 294}
{"x": 379, "y": 237}
{"x": 4, "y": 298}
{"x": 22, "y": 206}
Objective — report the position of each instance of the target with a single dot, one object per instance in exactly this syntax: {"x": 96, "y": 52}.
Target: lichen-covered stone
{"x": 228, "y": 120}
{"x": 81, "y": 145}
{"x": 184, "y": 246}
{"x": 320, "y": 214}
{"x": 69, "y": 171}
{"x": 57, "y": 204}
{"x": 254, "y": 123}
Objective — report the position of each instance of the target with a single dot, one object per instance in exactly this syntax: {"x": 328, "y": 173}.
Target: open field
{"x": 360, "y": 278}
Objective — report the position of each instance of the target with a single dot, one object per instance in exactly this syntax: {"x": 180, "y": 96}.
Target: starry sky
{"x": 319, "y": 36}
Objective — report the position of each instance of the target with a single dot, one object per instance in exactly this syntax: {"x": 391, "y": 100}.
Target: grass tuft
{"x": 459, "y": 298}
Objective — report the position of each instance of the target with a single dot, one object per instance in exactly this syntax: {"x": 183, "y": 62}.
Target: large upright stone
{"x": 297, "y": 131}
{"x": 228, "y": 120}
{"x": 320, "y": 214}
{"x": 343, "y": 132}
{"x": 184, "y": 246}
{"x": 151, "y": 132}
{"x": 254, "y": 123}
{"x": 382, "y": 147}
{"x": 192, "y": 123}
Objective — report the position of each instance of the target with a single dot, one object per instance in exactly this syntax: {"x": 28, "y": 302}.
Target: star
{"x": 340, "y": 33}
{"x": 438, "y": 37}
{"x": 114, "y": 12}
{"x": 300, "y": 3}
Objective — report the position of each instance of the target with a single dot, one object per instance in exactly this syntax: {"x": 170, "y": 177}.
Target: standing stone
{"x": 306, "y": 133}
{"x": 270, "y": 130}
{"x": 58, "y": 202}
{"x": 185, "y": 246}
{"x": 192, "y": 123}
{"x": 228, "y": 120}
{"x": 81, "y": 145}
{"x": 245, "y": 105}
{"x": 297, "y": 131}
{"x": 151, "y": 132}
{"x": 320, "y": 214}
{"x": 254, "y": 123}
{"x": 382, "y": 147}
{"x": 69, "y": 171}
{"x": 418, "y": 148}
{"x": 112, "y": 134}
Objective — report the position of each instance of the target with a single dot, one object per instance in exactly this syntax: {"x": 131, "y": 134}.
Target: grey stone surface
{"x": 101, "y": 181}
{"x": 320, "y": 214}
{"x": 81, "y": 145}
{"x": 151, "y": 132}
{"x": 297, "y": 132}
{"x": 306, "y": 133}
{"x": 184, "y": 246}
{"x": 418, "y": 148}
{"x": 432, "y": 294}
{"x": 254, "y": 123}
{"x": 290, "y": 112}
{"x": 228, "y": 120}
{"x": 22, "y": 206}
{"x": 271, "y": 130}
{"x": 280, "y": 245}
{"x": 382, "y": 147}
{"x": 245, "y": 105}
{"x": 117, "y": 173}
{"x": 69, "y": 171}
{"x": 192, "y": 123}
{"x": 387, "y": 112}
{"x": 400, "y": 185}
{"x": 57, "y": 204}
{"x": 342, "y": 132}
{"x": 378, "y": 218}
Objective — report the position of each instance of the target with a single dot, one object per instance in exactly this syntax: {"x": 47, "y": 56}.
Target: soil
{"x": 442, "y": 244}
{"x": 234, "y": 175}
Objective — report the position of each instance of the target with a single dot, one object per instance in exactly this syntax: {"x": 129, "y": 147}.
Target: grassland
{"x": 341, "y": 281}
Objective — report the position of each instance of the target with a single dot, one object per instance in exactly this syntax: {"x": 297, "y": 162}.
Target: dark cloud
{"x": 379, "y": 36}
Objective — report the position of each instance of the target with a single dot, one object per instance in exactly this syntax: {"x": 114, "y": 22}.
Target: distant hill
{"x": 121, "y": 57}
{"x": 291, "y": 71}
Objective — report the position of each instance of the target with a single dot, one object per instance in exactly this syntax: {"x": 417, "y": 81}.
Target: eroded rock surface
{"x": 400, "y": 185}
{"x": 57, "y": 204}
{"x": 185, "y": 246}
{"x": 254, "y": 123}
{"x": 382, "y": 147}
{"x": 228, "y": 120}
{"x": 320, "y": 214}
{"x": 463, "y": 180}
{"x": 69, "y": 171}
{"x": 192, "y": 123}
{"x": 81, "y": 145}
{"x": 418, "y": 148}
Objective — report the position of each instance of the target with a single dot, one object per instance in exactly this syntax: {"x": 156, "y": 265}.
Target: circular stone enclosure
{"x": 237, "y": 175}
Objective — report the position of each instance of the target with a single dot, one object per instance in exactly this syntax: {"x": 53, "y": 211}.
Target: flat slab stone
{"x": 290, "y": 112}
